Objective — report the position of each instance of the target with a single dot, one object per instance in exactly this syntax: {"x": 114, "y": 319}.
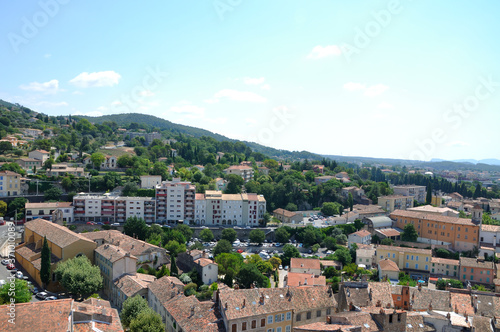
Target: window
{"x": 288, "y": 328}
{"x": 328, "y": 311}
{"x": 234, "y": 328}
{"x": 389, "y": 255}
{"x": 254, "y": 324}
{"x": 318, "y": 313}
{"x": 487, "y": 272}
{"x": 277, "y": 318}
{"x": 407, "y": 256}
{"x": 471, "y": 277}
{"x": 465, "y": 269}
{"x": 393, "y": 256}
{"x": 411, "y": 257}
{"x": 416, "y": 258}
{"x": 270, "y": 330}
{"x": 308, "y": 315}
{"x": 298, "y": 315}
{"x": 416, "y": 266}
{"x": 288, "y": 315}
{"x": 390, "y": 319}
{"x": 407, "y": 265}
{"x": 269, "y": 319}
{"x": 487, "y": 279}
{"x": 278, "y": 329}
{"x": 244, "y": 326}
{"x": 458, "y": 229}
{"x": 262, "y": 322}
{"x": 464, "y": 277}
{"x": 426, "y": 259}
{"x": 471, "y": 270}
{"x": 427, "y": 267}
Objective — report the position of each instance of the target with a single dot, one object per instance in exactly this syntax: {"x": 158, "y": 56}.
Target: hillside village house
{"x": 365, "y": 257}
{"x": 130, "y": 285}
{"x": 287, "y": 217}
{"x": 40, "y": 155}
{"x": 388, "y": 269}
{"x": 395, "y": 202}
{"x": 110, "y": 162}
{"x": 444, "y": 267}
{"x": 10, "y": 183}
{"x": 64, "y": 169}
{"x": 489, "y": 240}
{"x": 246, "y": 172}
{"x": 150, "y": 181}
{"x": 46, "y": 209}
{"x": 362, "y": 237}
{"x": 207, "y": 269}
{"x": 63, "y": 243}
{"x": 460, "y": 233}
{"x": 305, "y": 265}
{"x": 412, "y": 260}
{"x": 32, "y": 132}
{"x": 477, "y": 270}
{"x": 29, "y": 164}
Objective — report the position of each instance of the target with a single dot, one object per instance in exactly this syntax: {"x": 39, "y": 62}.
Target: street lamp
{"x": 89, "y": 177}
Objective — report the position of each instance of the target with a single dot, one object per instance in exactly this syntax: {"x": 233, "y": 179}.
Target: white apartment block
{"x": 418, "y": 192}
{"x": 10, "y": 183}
{"x": 395, "y": 202}
{"x": 107, "y": 208}
{"x": 175, "y": 201}
{"x": 246, "y": 172}
{"x": 218, "y": 209}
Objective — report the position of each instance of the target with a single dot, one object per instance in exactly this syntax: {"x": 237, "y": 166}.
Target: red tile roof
{"x": 192, "y": 315}
{"x": 305, "y": 263}
{"x": 57, "y": 234}
{"x": 431, "y": 217}
{"x": 304, "y": 279}
{"x": 388, "y": 265}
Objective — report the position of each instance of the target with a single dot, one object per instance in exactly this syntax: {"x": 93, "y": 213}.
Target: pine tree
{"x": 174, "y": 271}
{"x": 45, "y": 271}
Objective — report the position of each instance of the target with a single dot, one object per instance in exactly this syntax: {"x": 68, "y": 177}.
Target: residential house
{"x": 263, "y": 170}
{"x": 109, "y": 162}
{"x": 207, "y": 269}
{"x": 150, "y": 181}
{"x": 61, "y": 316}
{"x": 31, "y": 132}
{"x": 46, "y": 209}
{"x": 460, "y": 233}
{"x": 161, "y": 291}
{"x": 10, "y": 184}
{"x": 305, "y": 265}
{"x": 365, "y": 257}
{"x": 318, "y": 169}
{"x": 30, "y": 165}
{"x": 419, "y": 193}
{"x": 130, "y": 285}
{"x": 395, "y": 202}
{"x": 220, "y": 184}
{"x": 39, "y": 155}
{"x": 476, "y": 270}
{"x": 246, "y": 172}
{"x": 412, "y": 260}
{"x": 364, "y": 294}
{"x": 368, "y": 211}
{"x": 113, "y": 262}
{"x": 444, "y": 267}
{"x": 489, "y": 240}
{"x": 63, "y": 243}
{"x": 188, "y": 314}
{"x": 287, "y": 217}
{"x": 64, "y": 169}
{"x": 388, "y": 269}
{"x": 293, "y": 279}
{"x": 362, "y": 236}
{"x": 323, "y": 179}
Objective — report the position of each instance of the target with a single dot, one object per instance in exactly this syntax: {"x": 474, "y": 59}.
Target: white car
{"x": 19, "y": 275}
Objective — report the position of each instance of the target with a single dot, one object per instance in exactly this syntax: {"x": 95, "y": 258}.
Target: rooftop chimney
{"x": 192, "y": 310}
{"x": 262, "y": 299}
{"x": 244, "y": 303}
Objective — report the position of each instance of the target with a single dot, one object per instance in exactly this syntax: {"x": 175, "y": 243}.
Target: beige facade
{"x": 395, "y": 202}
{"x": 10, "y": 184}
{"x": 444, "y": 267}
{"x": 150, "y": 181}
{"x": 405, "y": 258}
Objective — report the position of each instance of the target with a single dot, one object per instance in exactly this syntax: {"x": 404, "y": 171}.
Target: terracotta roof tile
{"x": 405, "y": 249}
{"x": 305, "y": 263}
{"x": 388, "y": 265}
{"x": 112, "y": 253}
{"x": 304, "y": 279}
{"x": 132, "y": 284}
{"x": 134, "y": 246}
{"x": 474, "y": 262}
{"x": 361, "y": 233}
{"x": 192, "y": 315}
{"x": 57, "y": 234}
{"x": 166, "y": 288}
{"x": 431, "y": 217}
{"x": 461, "y": 303}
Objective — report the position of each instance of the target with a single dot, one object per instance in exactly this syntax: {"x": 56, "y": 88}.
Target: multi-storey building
{"x": 216, "y": 208}
{"x": 107, "y": 208}
{"x": 29, "y": 164}
{"x": 409, "y": 259}
{"x": 395, "y": 202}
{"x": 246, "y": 172}
{"x": 460, "y": 233}
{"x": 175, "y": 201}
{"x": 476, "y": 270}
{"x": 10, "y": 183}
{"x": 417, "y": 192}
{"x": 46, "y": 209}
{"x": 444, "y": 267}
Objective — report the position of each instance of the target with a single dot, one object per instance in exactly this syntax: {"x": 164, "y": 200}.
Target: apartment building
{"x": 476, "y": 270}
{"x": 112, "y": 209}
{"x": 246, "y": 172}
{"x": 63, "y": 243}
{"x": 410, "y": 259}
{"x": 216, "y": 208}
{"x": 45, "y": 210}
{"x": 444, "y": 267}
{"x": 274, "y": 309}
{"x": 395, "y": 202}
{"x": 489, "y": 240}
{"x": 175, "y": 201}
{"x": 150, "y": 181}
{"x": 444, "y": 211}
{"x": 419, "y": 193}
{"x": 10, "y": 183}
{"x": 110, "y": 162}
{"x": 460, "y": 233}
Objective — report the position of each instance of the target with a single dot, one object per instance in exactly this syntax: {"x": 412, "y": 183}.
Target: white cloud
{"x": 458, "y": 144}
{"x": 102, "y": 108}
{"x": 146, "y": 93}
{"x": 375, "y": 90}
{"x": 237, "y": 96}
{"x": 92, "y": 113}
{"x": 52, "y": 104}
{"x": 266, "y": 87}
{"x": 97, "y": 79}
{"x": 351, "y": 86}
{"x": 319, "y": 51}
{"x": 210, "y": 101}
{"x": 49, "y": 87}
{"x": 384, "y": 105}
{"x": 116, "y": 103}
{"x": 253, "y": 81}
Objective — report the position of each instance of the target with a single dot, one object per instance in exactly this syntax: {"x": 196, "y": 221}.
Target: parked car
{"x": 41, "y": 295}
{"x": 50, "y": 298}
{"x": 34, "y": 290}
{"x": 100, "y": 223}
{"x": 5, "y": 261}
{"x": 281, "y": 267}
{"x": 11, "y": 266}
{"x": 19, "y": 275}
{"x": 239, "y": 251}
{"x": 115, "y": 224}
{"x": 90, "y": 223}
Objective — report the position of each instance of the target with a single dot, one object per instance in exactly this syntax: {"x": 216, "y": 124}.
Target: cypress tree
{"x": 45, "y": 264}
{"x": 174, "y": 271}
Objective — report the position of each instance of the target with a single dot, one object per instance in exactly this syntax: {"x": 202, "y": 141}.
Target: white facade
{"x": 175, "y": 201}
{"x": 361, "y": 237}
{"x": 150, "y": 181}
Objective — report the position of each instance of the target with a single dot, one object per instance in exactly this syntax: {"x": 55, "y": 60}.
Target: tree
{"x": 343, "y": 255}
{"x": 409, "y": 233}
{"x": 442, "y": 283}
{"x": 350, "y": 201}
{"x": 376, "y": 239}
{"x": 174, "y": 271}
{"x": 387, "y": 242}
{"x": 45, "y": 268}
{"x": 79, "y": 276}
{"x": 257, "y": 236}
{"x": 229, "y": 234}
{"x": 291, "y": 207}
{"x": 234, "y": 185}
{"x": 206, "y": 235}
{"x": 97, "y": 159}
{"x": 329, "y": 243}
{"x": 341, "y": 239}
{"x": 185, "y": 230}
{"x": 175, "y": 248}
{"x": 147, "y": 321}
{"x": 289, "y": 252}
{"x": 249, "y": 274}
{"x": 131, "y": 308}
{"x": 5, "y": 146}
{"x": 229, "y": 266}
{"x": 52, "y": 194}
{"x": 275, "y": 262}
{"x": 3, "y": 208}
{"x": 330, "y": 208}
{"x": 315, "y": 247}
{"x": 282, "y": 235}
{"x": 428, "y": 198}
{"x": 20, "y": 293}
{"x": 222, "y": 246}
{"x": 135, "y": 226}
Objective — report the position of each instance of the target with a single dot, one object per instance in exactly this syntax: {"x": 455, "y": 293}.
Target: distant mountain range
{"x": 472, "y": 161}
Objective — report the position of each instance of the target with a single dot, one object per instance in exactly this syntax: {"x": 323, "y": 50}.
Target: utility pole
{"x": 37, "y": 187}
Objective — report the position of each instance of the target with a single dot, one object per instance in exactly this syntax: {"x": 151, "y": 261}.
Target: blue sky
{"x": 397, "y": 79}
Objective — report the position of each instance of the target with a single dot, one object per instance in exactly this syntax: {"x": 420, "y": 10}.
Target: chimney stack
{"x": 192, "y": 310}
{"x": 244, "y": 303}
{"x": 262, "y": 299}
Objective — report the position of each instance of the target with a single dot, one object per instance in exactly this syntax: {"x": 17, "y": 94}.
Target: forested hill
{"x": 124, "y": 120}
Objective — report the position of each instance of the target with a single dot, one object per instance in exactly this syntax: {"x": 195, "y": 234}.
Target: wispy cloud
{"x": 319, "y": 52}
{"x": 146, "y": 93}
{"x": 49, "y": 87}
{"x": 245, "y": 96}
{"x": 97, "y": 79}
{"x": 266, "y": 87}
{"x": 92, "y": 113}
